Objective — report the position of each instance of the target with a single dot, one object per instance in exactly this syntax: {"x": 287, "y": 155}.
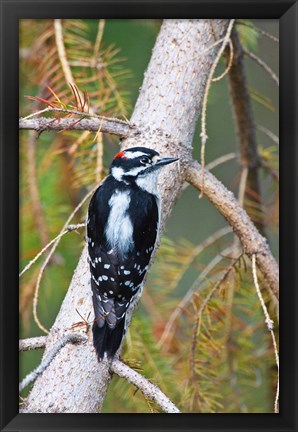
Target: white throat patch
{"x": 119, "y": 228}
{"x": 149, "y": 182}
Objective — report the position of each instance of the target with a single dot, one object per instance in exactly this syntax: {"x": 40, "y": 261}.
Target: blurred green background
{"x": 191, "y": 222}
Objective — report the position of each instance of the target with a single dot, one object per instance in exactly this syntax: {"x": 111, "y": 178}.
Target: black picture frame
{"x": 11, "y": 12}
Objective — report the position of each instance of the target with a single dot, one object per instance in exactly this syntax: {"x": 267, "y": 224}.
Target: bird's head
{"x": 138, "y": 164}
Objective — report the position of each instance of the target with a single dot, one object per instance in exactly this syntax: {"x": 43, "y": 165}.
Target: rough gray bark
{"x": 38, "y": 342}
{"x": 92, "y": 124}
{"x": 165, "y": 114}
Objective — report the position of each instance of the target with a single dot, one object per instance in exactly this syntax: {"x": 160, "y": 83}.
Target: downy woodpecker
{"x": 122, "y": 227}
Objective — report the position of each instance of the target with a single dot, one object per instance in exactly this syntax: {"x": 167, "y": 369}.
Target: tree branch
{"x": 226, "y": 203}
{"x": 33, "y": 343}
{"x": 263, "y": 64}
{"x": 147, "y": 388}
{"x": 269, "y": 133}
{"x": 205, "y": 99}
{"x": 61, "y": 234}
{"x": 93, "y": 124}
{"x": 245, "y": 127}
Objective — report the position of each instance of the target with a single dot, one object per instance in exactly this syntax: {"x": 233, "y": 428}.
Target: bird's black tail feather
{"x": 107, "y": 340}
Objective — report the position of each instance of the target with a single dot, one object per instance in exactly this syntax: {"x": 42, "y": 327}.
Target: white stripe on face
{"x": 117, "y": 173}
{"x": 133, "y": 155}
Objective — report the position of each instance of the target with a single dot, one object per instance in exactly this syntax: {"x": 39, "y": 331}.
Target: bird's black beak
{"x": 165, "y": 161}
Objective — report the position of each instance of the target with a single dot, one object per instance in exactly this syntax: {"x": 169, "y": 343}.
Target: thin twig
{"x": 220, "y": 160}
{"x": 69, "y": 229}
{"x": 47, "y": 109}
{"x": 147, "y": 388}
{"x": 269, "y": 323}
{"x": 99, "y": 159}
{"x": 215, "y": 163}
{"x": 81, "y": 113}
{"x": 263, "y": 65}
{"x": 198, "y": 250}
{"x": 100, "y": 30}
{"x": 33, "y": 343}
{"x": 46, "y": 361}
{"x": 230, "y": 62}
{"x": 268, "y": 320}
{"x": 269, "y": 133}
{"x": 41, "y": 271}
{"x": 62, "y": 52}
{"x": 63, "y": 60}
{"x": 263, "y": 32}
{"x": 242, "y": 186}
{"x": 203, "y": 135}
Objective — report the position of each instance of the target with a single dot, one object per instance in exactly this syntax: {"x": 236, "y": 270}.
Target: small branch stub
{"x": 32, "y": 343}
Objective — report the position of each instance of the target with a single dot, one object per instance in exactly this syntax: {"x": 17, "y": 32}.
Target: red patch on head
{"x": 119, "y": 155}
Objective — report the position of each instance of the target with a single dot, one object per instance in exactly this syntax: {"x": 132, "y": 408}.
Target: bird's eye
{"x": 145, "y": 160}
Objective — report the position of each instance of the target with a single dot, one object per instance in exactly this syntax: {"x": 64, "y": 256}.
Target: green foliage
{"x": 231, "y": 346}
{"x": 248, "y": 34}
